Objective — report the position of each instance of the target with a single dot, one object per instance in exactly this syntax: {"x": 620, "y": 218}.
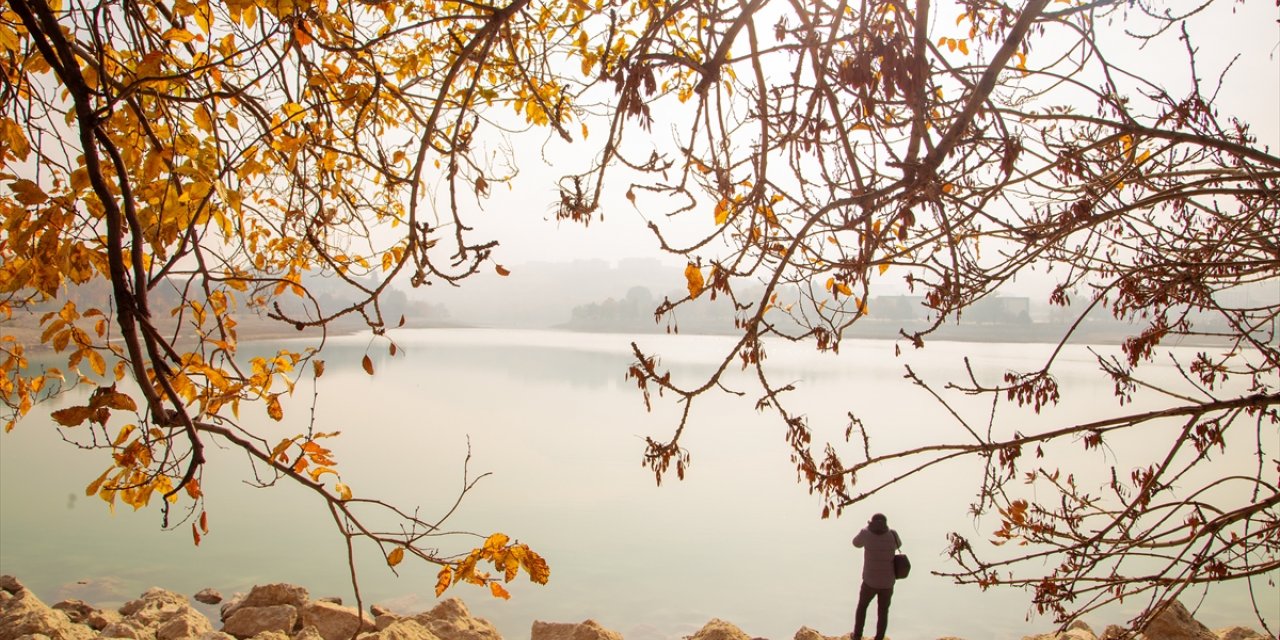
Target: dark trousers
{"x": 882, "y": 596}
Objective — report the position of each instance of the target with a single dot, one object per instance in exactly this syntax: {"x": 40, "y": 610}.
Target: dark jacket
{"x": 878, "y": 544}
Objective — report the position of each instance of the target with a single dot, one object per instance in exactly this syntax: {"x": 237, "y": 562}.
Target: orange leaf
{"x": 694, "y": 277}
{"x": 367, "y": 363}
{"x": 443, "y": 579}
{"x": 498, "y": 591}
{"x": 502, "y": 271}
{"x": 396, "y": 555}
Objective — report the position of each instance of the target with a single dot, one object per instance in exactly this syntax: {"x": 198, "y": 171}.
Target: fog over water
{"x": 552, "y": 418}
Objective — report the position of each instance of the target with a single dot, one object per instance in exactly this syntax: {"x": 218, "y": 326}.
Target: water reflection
{"x": 554, "y": 420}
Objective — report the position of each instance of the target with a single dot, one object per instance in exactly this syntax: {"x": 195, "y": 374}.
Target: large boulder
{"x": 23, "y": 614}
{"x": 451, "y": 620}
{"x": 718, "y": 629}
{"x": 247, "y": 622}
{"x": 585, "y": 630}
{"x": 267, "y": 595}
{"x": 1174, "y": 622}
{"x": 334, "y": 621}
{"x": 155, "y": 607}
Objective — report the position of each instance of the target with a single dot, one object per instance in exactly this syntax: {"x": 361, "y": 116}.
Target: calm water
{"x": 552, "y": 417}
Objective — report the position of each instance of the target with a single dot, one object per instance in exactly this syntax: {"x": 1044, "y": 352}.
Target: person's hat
{"x": 879, "y": 517}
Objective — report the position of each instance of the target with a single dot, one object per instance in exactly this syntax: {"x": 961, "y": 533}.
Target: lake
{"x": 551, "y": 417}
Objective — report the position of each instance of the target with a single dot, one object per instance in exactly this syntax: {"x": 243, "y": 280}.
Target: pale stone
{"x": 310, "y": 633}
{"x": 270, "y": 635}
{"x": 24, "y": 614}
{"x": 1114, "y": 632}
{"x": 718, "y": 629}
{"x": 805, "y": 633}
{"x": 334, "y": 621}
{"x": 1239, "y": 633}
{"x": 248, "y": 622}
{"x": 585, "y": 630}
{"x": 450, "y": 620}
{"x": 128, "y": 629}
{"x": 378, "y": 610}
{"x": 403, "y": 629}
{"x": 1176, "y": 623}
{"x": 215, "y": 635}
{"x": 385, "y": 620}
{"x": 208, "y": 596}
{"x": 185, "y": 625}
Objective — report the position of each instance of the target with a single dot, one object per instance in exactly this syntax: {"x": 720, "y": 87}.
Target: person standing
{"x": 878, "y": 543}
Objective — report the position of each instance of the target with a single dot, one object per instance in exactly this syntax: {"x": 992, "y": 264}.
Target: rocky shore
{"x": 287, "y": 612}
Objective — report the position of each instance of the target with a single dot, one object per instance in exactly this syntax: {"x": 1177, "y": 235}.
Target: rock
{"x": 403, "y": 629}
{"x": 1081, "y": 625}
{"x": 331, "y": 599}
{"x": 128, "y": 629}
{"x": 208, "y": 596}
{"x": 585, "y": 630}
{"x": 334, "y": 621}
{"x": 247, "y": 622}
{"x": 10, "y": 584}
{"x": 214, "y": 635}
{"x": 805, "y": 633}
{"x": 1239, "y": 633}
{"x": 99, "y": 619}
{"x": 450, "y": 620}
{"x": 78, "y": 611}
{"x": 1176, "y": 623}
{"x": 718, "y": 629}
{"x": 385, "y": 620}
{"x": 188, "y": 624}
{"x": 378, "y": 610}
{"x": 156, "y": 607}
{"x": 23, "y": 614}
{"x": 266, "y": 595}
{"x": 271, "y": 635}
{"x": 1114, "y": 632}
{"x": 310, "y": 633}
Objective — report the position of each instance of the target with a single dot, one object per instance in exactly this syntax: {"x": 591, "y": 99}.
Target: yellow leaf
{"x": 178, "y": 34}
{"x": 395, "y": 556}
{"x": 97, "y": 363}
{"x": 343, "y": 491}
{"x": 884, "y": 267}
{"x": 443, "y": 579}
{"x": 694, "y": 277}
{"x": 495, "y": 543}
{"x": 203, "y": 119}
{"x": 318, "y": 367}
{"x": 498, "y": 591}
